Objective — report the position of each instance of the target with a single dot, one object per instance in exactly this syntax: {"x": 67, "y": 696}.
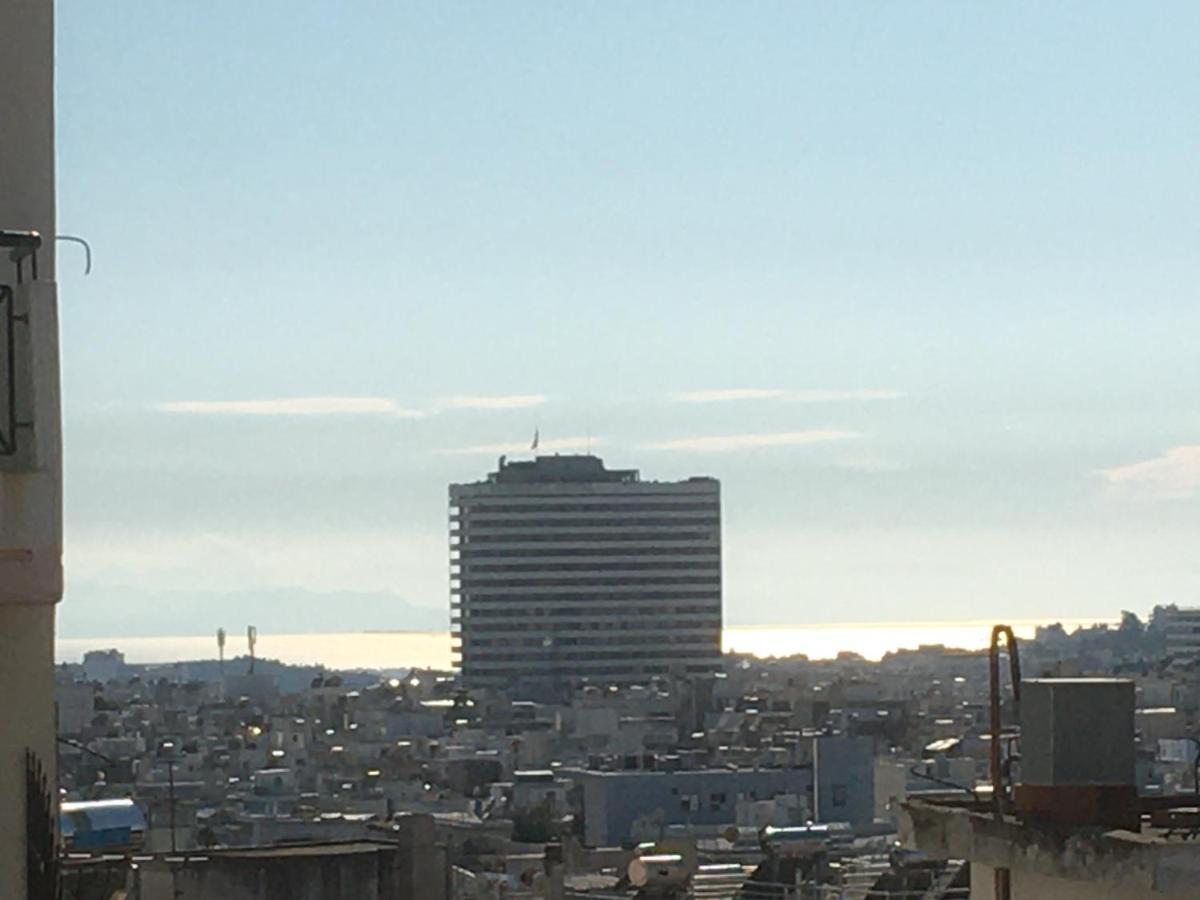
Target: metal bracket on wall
{"x": 8, "y": 373}
{"x": 23, "y": 245}
{"x": 87, "y": 249}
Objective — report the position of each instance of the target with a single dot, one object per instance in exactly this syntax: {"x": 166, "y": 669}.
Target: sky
{"x": 918, "y": 282}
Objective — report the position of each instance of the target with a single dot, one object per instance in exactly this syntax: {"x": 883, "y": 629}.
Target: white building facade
{"x": 1181, "y": 627}
{"x": 564, "y": 571}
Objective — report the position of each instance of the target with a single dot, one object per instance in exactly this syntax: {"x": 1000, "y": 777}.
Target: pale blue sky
{"x": 950, "y": 251}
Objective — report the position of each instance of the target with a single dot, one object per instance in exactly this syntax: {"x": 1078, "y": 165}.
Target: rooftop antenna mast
{"x": 251, "y": 639}
{"x": 221, "y": 649}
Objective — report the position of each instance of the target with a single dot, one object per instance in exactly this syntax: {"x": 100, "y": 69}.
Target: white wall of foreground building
{"x": 1035, "y": 885}
{"x": 30, "y": 493}
{"x": 1050, "y": 862}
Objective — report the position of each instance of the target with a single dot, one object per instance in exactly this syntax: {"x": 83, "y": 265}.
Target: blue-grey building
{"x": 839, "y": 786}
{"x": 844, "y": 773}
{"x": 102, "y": 825}
{"x": 620, "y": 806}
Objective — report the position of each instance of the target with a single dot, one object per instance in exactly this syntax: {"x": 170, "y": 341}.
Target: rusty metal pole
{"x": 171, "y": 789}
{"x": 1003, "y": 881}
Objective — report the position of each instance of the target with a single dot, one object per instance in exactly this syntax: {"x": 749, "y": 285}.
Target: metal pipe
{"x": 171, "y": 785}
{"x": 1002, "y": 883}
{"x": 87, "y": 249}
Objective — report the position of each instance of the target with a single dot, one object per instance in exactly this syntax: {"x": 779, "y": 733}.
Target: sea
{"x": 426, "y": 649}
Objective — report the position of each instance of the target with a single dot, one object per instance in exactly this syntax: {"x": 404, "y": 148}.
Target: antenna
{"x": 251, "y": 639}
{"x": 221, "y": 649}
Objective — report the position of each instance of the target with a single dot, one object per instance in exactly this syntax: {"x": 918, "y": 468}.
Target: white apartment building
{"x": 564, "y": 571}
{"x": 1182, "y": 631}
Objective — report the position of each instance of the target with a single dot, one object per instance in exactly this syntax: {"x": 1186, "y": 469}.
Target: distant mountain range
{"x": 93, "y": 610}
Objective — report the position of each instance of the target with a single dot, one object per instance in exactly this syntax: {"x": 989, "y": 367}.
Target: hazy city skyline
{"x": 919, "y": 289}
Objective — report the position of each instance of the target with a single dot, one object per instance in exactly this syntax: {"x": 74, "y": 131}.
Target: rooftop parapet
{"x": 582, "y": 468}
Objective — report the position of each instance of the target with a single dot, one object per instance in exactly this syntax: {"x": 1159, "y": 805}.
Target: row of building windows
{"x": 659, "y": 639}
{"x": 573, "y": 618}
{"x": 661, "y": 535}
{"x": 529, "y": 657}
{"x": 579, "y": 598}
{"x": 476, "y": 507}
{"x": 466, "y": 554}
{"x": 630, "y": 521}
{"x": 616, "y": 623}
{"x": 519, "y": 581}
{"x": 576, "y": 610}
{"x": 682, "y": 564}
{"x": 593, "y": 673}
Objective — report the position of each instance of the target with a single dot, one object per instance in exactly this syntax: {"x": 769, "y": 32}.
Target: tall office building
{"x": 562, "y": 570}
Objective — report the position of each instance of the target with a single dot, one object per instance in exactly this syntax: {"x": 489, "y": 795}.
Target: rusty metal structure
{"x": 1000, "y": 768}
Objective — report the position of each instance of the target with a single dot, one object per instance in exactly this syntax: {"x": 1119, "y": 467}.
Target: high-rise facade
{"x": 563, "y": 570}
{"x": 1182, "y": 630}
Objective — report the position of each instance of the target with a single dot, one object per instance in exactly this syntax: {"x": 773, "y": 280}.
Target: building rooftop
{"x": 1155, "y": 861}
{"x": 559, "y": 469}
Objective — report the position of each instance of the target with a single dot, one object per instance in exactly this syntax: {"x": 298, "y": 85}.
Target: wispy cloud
{"x": 720, "y": 395}
{"x": 572, "y": 444}
{"x": 293, "y": 406}
{"x": 491, "y": 401}
{"x": 724, "y": 443}
{"x": 1172, "y": 476}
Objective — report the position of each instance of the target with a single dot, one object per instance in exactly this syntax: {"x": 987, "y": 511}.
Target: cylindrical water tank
{"x": 658, "y": 870}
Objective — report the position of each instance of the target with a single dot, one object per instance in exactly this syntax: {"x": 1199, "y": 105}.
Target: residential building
{"x": 563, "y": 570}
{"x": 639, "y": 805}
{"x": 31, "y": 579}
{"x": 1182, "y": 631}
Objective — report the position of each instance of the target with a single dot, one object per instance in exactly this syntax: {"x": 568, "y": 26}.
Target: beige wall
{"x": 1030, "y": 886}
{"x": 27, "y": 707}
{"x": 30, "y": 501}
{"x": 27, "y": 110}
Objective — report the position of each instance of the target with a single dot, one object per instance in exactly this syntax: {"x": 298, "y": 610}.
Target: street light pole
{"x": 171, "y": 796}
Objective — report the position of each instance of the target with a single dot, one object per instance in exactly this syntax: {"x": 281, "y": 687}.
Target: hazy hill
{"x": 90, "y": 610}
